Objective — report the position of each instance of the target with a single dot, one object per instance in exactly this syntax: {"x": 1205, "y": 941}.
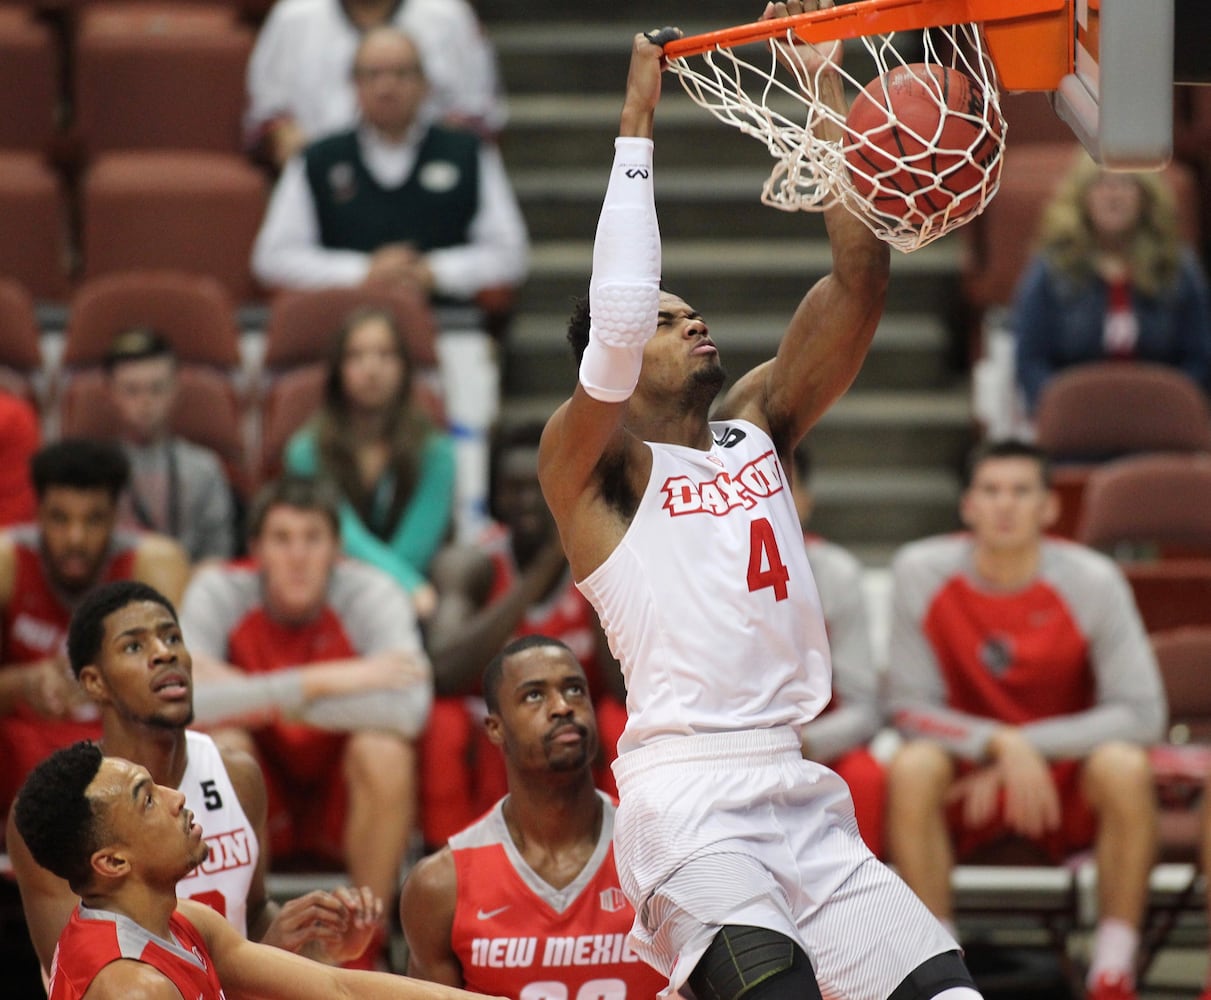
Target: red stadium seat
{"x": 157, "y": 76}
{"x": 193, "y": 311}
{"x": 1181, "y": 765}
{"x": 29, "y": 81}
{"x": 303, "y": 324}
{"x": 33, "y": 226}
{"x": 1090, "y": 413}
{"x": 1171, "y": 593}
{"x": 196, "y": 212}
{"x": 291, "y": 400}
{"x": 20, "y": 340}
{"x": 1158, "y": 505}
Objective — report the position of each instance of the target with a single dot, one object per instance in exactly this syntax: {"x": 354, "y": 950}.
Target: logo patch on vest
{"x": 341, "y": 181}
{"x": 439, "y": 176}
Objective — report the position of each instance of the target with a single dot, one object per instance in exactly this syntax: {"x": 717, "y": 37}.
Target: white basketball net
{"x": 772, "y": 98}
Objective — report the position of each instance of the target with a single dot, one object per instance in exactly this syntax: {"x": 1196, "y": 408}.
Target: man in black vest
{"x": 398, "y": 200}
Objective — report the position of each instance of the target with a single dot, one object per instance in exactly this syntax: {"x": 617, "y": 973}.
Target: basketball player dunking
{"x": 742, "y": 860}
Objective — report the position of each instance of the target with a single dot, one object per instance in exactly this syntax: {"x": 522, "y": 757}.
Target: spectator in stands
{"x": 839, "y": 735}
{"x": 46, "y": 569}
{"x": 1026, "y": 689}
{"x": 300, "y": 85}
{"x": 1110, "y": 279}
{"x": 403, "y": 201}
{"x": 343, "y": 793}
{"x": 19, "y": 440}
{"x": 394, "y": 469}
{"x": 128, "y": 653}
{"x": 177, "y": 488}
{"x": 539, "y": 867}
{"x": 397, "y": 200}
{"x": 510, "y": 582}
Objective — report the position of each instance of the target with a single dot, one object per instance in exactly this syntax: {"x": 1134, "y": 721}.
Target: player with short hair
{"x": 176, "y": 487}
{"x": 127, "y": 652}
{"x": 513, "y": 581}
{"x": 743, "y": 860}
{"x": 1027, "y": 692}
{"x": 342, "y": 781}
{"x": 534, "y": 879}
{"x": 46, "y": 570}
{"x": 122, "y": 842}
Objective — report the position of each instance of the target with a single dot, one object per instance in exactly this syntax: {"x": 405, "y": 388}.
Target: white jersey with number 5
{"x": 221, "y": 881}
{"x": 708, "y": 600}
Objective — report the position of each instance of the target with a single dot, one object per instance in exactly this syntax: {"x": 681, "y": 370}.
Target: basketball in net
{"x": 921, "y": 144}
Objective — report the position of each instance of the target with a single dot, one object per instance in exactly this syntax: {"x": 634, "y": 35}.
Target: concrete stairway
{"x": 887, "y": 455}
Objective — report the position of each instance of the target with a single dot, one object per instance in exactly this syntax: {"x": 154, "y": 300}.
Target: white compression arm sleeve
{"x": 624, "y": 293}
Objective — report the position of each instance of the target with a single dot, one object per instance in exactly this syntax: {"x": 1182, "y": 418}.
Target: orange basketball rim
{"x": 1029, "y": 41}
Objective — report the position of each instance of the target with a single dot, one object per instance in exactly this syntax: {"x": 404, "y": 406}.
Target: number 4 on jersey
{"x": 765, "y": 565}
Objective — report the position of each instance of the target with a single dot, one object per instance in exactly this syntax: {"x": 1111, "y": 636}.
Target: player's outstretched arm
{"x": 831, "y": 330}
{"x": 624, "y": 299}
{"x": 248, "y": 969}
{"x": 46, "y": 899}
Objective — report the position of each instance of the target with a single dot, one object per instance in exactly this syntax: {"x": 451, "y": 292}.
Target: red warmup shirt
{"x": 94, "y": 938}
{"x": 261, "y": 645}
{"x": 517, "y": 936}
{"x": 35, "y": 628}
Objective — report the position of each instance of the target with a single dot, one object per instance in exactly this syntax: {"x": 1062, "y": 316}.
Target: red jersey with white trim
{"x": 517, "y": 936}
{"x": 94, "y": 938}
{"x": 37, "y": 615}
{"x": 36, "y": 621}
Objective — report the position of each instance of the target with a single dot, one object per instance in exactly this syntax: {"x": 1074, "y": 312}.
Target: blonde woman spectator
{"x": 1110, "y": 279}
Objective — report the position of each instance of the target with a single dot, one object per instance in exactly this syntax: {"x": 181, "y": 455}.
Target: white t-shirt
{"x": 301, "y": 64}
{"x": 708, "y": 601}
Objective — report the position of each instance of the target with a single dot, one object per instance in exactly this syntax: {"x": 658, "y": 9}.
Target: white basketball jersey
{"x": 222, "y": 881}
{"x": 708, "y": 600}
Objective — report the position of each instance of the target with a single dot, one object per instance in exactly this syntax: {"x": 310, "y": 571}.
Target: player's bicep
{"x": 46, "y": 899}
{"x": 127, "y": 979}
{"x": 579, "y": 434}
{"x": 426, "y": 909}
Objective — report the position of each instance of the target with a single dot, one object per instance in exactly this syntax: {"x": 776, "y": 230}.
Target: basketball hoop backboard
{"x": 1118, "y": 99}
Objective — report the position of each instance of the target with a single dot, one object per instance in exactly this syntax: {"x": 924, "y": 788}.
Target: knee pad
{"x": 754, "y": 963}
{"x": 942, "y": 972}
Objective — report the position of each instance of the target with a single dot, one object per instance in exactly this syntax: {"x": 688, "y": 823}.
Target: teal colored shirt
{"x": 409, "y": 547}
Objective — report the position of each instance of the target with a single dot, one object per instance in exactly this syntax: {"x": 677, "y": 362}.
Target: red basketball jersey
{"x": 35, "y": 628}
{"x": 517, "y": 936}
{"x": 94, "y": 938}
{"x": 37, "y": 615}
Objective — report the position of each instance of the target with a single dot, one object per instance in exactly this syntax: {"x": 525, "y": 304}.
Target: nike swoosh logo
{"x": 489, "y": 914}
